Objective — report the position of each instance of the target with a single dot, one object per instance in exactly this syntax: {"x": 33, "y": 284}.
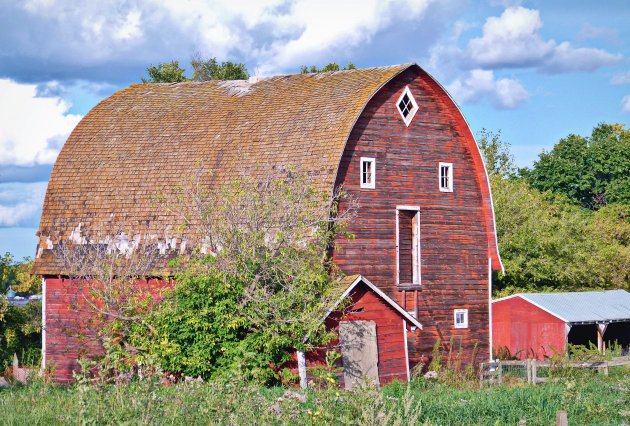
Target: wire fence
{"x": 534, "y": 371}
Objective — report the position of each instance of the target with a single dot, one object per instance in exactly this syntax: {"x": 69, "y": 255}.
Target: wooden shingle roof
{"x": 144, "y": 140}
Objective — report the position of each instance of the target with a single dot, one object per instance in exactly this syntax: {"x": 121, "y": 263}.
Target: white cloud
{"x": 514, "y": 40}
{"x": 504, "y": 93}
{"x": 21, "y": 203}
{"x": 625, "y": 104}
{"x": 32, "y": 128}
{"x": 623, "y": 78}
{"x": 277, "y": 35}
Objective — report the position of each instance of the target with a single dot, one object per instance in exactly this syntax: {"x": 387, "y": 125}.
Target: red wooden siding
{"x": 71, "y": 323}
{"x": 390, "y": 336}
{"x": 453, "y": 225}
{"x": 526, "y": 330}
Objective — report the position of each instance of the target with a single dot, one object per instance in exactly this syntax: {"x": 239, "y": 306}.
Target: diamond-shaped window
{"x": 407, "y": 106}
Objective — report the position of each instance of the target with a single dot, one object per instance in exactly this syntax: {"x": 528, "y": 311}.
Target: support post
{"x": 601, "y": 329}
{"x": 301, "y": 360}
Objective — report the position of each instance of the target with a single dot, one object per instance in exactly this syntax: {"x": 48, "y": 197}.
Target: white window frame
{"x": 463, "y": 324}
{"x": 417, "y": 271}
{"x": 412, "y": 112}
{"x": 449, "y": 187}
{"x": 372, "y": 184}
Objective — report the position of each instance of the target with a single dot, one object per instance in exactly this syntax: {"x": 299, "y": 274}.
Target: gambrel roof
{"x": 144, "y": 140}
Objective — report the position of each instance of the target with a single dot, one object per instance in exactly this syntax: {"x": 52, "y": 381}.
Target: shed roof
{"x": 583, "y": 306}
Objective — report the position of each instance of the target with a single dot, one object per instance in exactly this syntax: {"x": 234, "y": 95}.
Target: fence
{"x": 534, "y": 371}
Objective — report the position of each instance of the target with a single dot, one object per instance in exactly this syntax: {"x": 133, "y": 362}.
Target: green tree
{"x": 168, "y": 72}
{"x": 592, "y": 171}
{"x": 18, "y": 276}
{"x": 211, "y": 69}
{"x": 496, "y": 153}
{"x": 332, "y": 66}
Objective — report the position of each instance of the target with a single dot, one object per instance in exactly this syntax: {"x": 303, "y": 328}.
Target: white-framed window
{"x": 460, "y": 318}
{"x": 407, "y": 106}
{"x": 368, "y": 172}
{"x": 408, "y": 269}
{"x": 445, "y": 176}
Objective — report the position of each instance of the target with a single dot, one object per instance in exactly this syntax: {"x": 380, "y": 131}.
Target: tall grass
{"x": 592, "y": 400}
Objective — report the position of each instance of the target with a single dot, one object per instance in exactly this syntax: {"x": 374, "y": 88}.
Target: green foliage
{"x": 168, "y": 72}
{"x": 332, "y": 66}
{"x": 17, "y": 275}
{"x": 20, "y": 332}
{"x": 591, "y": 171}
{"x": 496, "y": 154}
{"x": 548, "y": 243}
{"x": 211, "y": 69}
{"x": 592, "y": 400}
{"x": 203, "y": 70}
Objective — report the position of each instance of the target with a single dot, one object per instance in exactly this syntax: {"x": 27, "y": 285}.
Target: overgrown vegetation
{"x": 20, "y": 326}
{"x": 553, "y": 239}
{"x": 243, "y": 302}
{"x": 596, "y": 399}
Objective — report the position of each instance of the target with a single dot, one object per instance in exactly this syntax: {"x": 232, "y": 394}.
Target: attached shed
{"x": 372, "y": 336}
{"x": 541, "y": 324}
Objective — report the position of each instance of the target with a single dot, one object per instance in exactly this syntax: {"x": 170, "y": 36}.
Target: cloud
{"x": 75, "y": 40}
{"x": 589, "y": 32}
{"x": 625, "y": 104}
{"x": 21, "y": 203}
{"x": 32, "y": 128}
{"x": 623, "y": 78}
{"x": 513, "y": 40}
{"x": 503, "y": 93}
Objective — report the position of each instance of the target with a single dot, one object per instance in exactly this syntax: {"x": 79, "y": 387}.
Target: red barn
{"x": 391, "y": 137}
{"x": 539, "y": 325}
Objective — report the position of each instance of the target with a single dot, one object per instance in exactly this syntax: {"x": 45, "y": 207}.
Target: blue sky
{"x": 535, "y": 70}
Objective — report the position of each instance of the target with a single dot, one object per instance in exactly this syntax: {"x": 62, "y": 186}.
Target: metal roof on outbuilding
{"x": 582, "y": 306}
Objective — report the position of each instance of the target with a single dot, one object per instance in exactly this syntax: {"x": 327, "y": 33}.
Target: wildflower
{"x": 310, "y": 413}
{"x": 337, "y": 394}
{"x": 317, "y": 413}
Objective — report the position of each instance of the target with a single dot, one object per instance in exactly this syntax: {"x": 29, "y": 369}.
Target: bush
{"x": 20, "y": 333}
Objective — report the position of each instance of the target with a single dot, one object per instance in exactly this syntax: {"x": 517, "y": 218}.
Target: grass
{"x": 596, "y": 400}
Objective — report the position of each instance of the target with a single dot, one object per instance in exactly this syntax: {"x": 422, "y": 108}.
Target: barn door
{"x": 359, "y": 352}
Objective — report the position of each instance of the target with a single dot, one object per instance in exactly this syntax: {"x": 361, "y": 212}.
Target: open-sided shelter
{"x": 539, "y": 325}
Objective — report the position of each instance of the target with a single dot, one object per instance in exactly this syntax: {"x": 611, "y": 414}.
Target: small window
{"x": 368, "y": 172}
{"x": 461, "y": 318}
{"x": 446, "y": 177}
{"x": 407, "y": 106}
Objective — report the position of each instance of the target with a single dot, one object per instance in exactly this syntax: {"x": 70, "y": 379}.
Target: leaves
{"x": 592, "y": 172}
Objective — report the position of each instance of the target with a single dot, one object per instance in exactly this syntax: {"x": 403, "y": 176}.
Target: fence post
{"x": 534, "y": 372}
{"x": 562, "y": 418}
{"x": 500, "y": 373}
{"x": 528, "y": 366}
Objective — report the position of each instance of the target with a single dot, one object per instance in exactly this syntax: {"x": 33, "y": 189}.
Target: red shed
{"x": 538, "y": 325}
{"x": 371, "y": 331}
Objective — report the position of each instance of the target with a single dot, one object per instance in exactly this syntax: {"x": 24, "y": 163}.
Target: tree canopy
{"x": 591, "y": 171}
{"x": 202, "y": 69}
{"x": 548, "y": 240}
{"x": 332, "y": 66}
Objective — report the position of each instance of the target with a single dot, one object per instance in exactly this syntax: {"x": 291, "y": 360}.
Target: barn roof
{"x": 142, "y": 142}
{"x": 583, "y": 306}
